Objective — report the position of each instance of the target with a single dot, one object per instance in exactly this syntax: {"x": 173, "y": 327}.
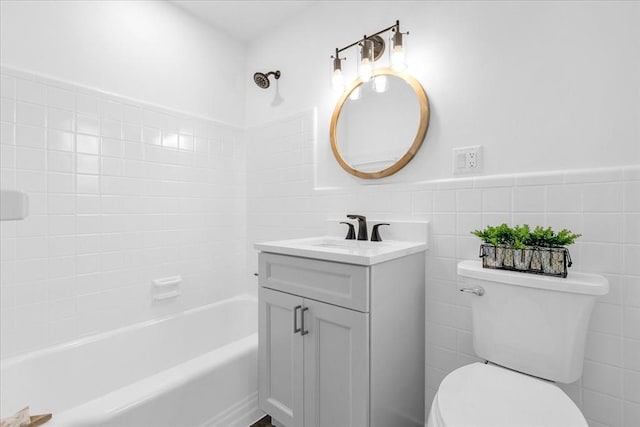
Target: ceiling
{"x": 244, "y": 20}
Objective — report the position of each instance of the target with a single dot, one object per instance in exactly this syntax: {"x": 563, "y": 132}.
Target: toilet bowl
{"x": 483, "y": 395}
{"x": 528, "y": 327}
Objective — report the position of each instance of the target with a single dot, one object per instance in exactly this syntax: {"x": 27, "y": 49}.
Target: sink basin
{"x": 359, "y": 252}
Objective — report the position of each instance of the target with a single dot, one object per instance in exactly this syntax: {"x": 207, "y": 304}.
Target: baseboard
{"x": 242, "y": 414}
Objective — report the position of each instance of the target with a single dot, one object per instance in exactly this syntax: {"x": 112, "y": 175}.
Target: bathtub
{"x": 193, "y": 369}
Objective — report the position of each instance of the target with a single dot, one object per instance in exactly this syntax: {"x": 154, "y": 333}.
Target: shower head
{"x": 262, "y": 79}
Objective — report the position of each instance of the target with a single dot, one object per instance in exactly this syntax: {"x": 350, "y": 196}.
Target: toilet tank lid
{"x": 578, "y": 283}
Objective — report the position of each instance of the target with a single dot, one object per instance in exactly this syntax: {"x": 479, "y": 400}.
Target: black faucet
{"x": 351, "y": 234}
{"x": 362, "y": 226}
{"x": 375, "y": 234}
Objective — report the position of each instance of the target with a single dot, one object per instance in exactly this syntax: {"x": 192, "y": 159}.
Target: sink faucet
{"x": 362, "y": 226}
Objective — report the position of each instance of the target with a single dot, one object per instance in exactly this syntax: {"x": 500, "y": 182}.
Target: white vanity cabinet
{"x": 341, "y": 344}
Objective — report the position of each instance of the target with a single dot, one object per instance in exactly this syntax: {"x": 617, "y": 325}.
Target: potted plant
{"x": 539, "y": 251}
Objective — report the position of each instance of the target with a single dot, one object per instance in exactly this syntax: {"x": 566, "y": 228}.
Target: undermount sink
{"x": 360, "y": 252}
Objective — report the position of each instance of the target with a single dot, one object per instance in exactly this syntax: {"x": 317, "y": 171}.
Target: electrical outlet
{"x": 467, "y": 159}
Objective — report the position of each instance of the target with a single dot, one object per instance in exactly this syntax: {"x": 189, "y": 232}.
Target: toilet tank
{"x": 531, "y": 323}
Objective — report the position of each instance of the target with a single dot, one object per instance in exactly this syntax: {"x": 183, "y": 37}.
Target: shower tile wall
{"x": 602, "y": 204}
{"x": 120, "y": 193}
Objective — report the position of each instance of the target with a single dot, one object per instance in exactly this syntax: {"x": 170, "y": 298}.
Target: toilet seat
{"x": 485, "y": 395}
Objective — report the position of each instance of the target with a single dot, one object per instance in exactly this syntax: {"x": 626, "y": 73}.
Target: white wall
{"x": 146, "y": 50}
{"x": 541, "y": 85}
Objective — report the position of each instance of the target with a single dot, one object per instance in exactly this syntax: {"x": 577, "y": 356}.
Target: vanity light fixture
{"x": 397, "y": 55}
{"x": 371, "y": 49}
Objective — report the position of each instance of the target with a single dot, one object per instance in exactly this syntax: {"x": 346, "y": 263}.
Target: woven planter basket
{"x": 531, "y": 259}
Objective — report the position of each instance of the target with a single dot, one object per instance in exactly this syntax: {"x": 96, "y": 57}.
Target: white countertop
{"x": 359, "y": 252}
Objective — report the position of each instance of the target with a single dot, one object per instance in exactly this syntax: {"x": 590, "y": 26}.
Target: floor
{"x": 263, "y": 422}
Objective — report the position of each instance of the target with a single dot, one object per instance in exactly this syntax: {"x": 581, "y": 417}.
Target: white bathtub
{"x": 194, "y": 369}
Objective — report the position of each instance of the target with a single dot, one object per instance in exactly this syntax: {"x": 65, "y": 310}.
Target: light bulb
{"x": 355, "y": 94}
{"x": 397, "y": 58}
{"x": 337, "y": 81}
{"x": 366, "y": 70}
{"x": 380, "y": 84}
{"x": 397, "y": 54}
{"x": 366, "y": 62}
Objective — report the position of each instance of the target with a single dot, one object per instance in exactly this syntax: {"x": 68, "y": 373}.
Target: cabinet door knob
{"x": 295, "y": 319}
{"x": 302, "y": 314}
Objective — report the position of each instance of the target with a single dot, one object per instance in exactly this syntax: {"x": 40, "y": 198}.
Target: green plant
{"x": 520, "y": 236}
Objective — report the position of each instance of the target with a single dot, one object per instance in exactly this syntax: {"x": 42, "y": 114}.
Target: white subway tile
{"x": 60, "y": 161}
{"x": 88, "y": 184}
{"x": 29, "y": 136}
{"x": 7, "y": 110}
{"x": 631, "y": 261}
{"x": 632, "y": 386}
{"x": 631, "y": 290}
{"x": 31, "y": 181}
{"x": 29, "y": 270}
{"x": 444, "y": 201}
{"x": 7, "y": 131}
{"x": 88, "y": 164}
{"x": 631, "y": 319}
{"x": 7, "y": 86}
{"x": 602, "y": 227}
{"x": 88, "y": 144}
{"x": 111, "y": 129}
{"x": 602, "y": 378}
{"x": 602, "y": 408}
{"x": 631, "y": 196}
{"x": 564, "y": 198}
{"x": 61, "y": 245}
{"x": 60, "y": 119}
{"x": 497, "y": 200}
{"x": 594, "y": 175}
{"x": 87, "y": 124}
{"x": 469, "y": 201}
{"x": 30, "y": 91}
{"x": 30, "y": 159}
{"x": 606, "y": 318}
{"x": 7, "y": 157}
{"x": 631, "y": 173}
{"x": 632, "y": 355}
{"x": 529, "y": 199}
{"x": 631, "y": 232}
{"x": 60, "y": 98}
{"x": 111, "y": 110}
{"x": 30, "y": 114}
{"x": 87, "y": 104}
{"x": 604, "y": 348}
{"x": 64, "y": 266}
{"x": 631, "y": 414}
{"x": 602, "y": 197}
{"x": 61, "y": 182}
{"x": 62, "y": 225}
{"x": 58, "y": 140}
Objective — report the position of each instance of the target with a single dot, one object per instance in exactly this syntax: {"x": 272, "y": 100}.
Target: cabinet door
{"x": 336, "y": 366}
{"x": 280, "y": 357}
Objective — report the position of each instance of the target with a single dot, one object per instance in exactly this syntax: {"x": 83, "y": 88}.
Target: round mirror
{"x": 378, "y": 133}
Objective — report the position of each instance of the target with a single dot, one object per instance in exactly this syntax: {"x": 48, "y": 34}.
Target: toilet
{"x": 531, "y": 331}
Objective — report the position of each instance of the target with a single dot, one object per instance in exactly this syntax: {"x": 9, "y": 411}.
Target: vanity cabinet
{"x": 341, "y": 344}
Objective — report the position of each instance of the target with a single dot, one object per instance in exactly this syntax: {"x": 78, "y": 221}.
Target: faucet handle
{"x": 351, "y": 234}
{"x": 375, "y": 234}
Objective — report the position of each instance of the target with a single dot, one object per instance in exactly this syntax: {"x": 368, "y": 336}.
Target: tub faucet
{"x": 362, "y": 226}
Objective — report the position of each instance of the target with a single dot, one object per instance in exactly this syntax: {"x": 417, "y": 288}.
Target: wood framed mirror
{"x": 378, "y": 133}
